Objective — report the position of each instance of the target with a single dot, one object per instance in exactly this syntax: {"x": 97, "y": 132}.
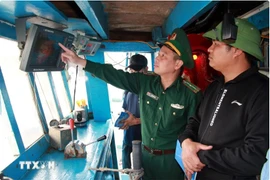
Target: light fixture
{"x": 195, "y": 57}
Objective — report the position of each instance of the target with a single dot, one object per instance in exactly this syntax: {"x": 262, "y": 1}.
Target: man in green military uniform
{"x": 166, "y": 102}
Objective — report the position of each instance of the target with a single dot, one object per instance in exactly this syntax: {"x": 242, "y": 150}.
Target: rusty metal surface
{"x": 128, "y": 20}
{"x": 69, "y": 9}
{"x": 135, "y": 20}
{"x": 137, "y": 16}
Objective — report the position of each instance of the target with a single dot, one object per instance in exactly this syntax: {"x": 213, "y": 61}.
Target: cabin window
{"x": 61, "y": 93}
{"x": 9, "y": 150}
{"x": 120, "y": 60}
{"x": 46, "y": 96}
{"x": 81, "y": 93}
{"x": 20, "y": 93}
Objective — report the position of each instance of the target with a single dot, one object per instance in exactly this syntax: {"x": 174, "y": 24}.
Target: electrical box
{"x": 61, "y": 135}
{"x": 85, "y": 45}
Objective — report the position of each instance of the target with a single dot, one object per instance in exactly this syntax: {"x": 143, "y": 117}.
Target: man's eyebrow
{"x": 161, "y": 52}
{"x": 165, "y": 52}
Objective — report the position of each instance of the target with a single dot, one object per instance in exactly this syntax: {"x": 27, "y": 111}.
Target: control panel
{"x": 85, "y": 45}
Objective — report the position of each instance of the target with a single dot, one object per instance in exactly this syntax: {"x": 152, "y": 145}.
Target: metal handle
{"x": 102, "y": 138}
{"x": 99, "y": 139}
{"x": 71, "y": 123}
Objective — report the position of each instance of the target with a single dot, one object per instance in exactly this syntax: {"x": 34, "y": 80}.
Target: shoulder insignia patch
{"x": 191, "y": 86}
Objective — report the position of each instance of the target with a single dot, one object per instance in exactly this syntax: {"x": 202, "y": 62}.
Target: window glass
{"x": 120, "y": 60}
{"x": 81, "y": 93}
{"x": 46, "y": 96}
{"x": 20, "y": 93}
{"x": 61, "y": 93}
{"x": 9, "y": 150}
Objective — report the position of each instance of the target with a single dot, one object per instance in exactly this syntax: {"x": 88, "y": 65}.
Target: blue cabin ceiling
{"x": 126, "y": 20}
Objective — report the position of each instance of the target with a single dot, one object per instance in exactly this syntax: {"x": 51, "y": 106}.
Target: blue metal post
{"x": 98, "y": 92}
{"x": 181, "y": 15}
{"x": 153, "y": 60}
{"x": 10, "y": 113}
{"x": 95, "y": 14}
{"x": 126, "y": 59}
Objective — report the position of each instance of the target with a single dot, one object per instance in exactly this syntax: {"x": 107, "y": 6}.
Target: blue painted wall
{"x": 32, "y": 154}
{"x": 97, "y": 92}
{"x": 128, "y": 47}
{"x": 261, "y": 19}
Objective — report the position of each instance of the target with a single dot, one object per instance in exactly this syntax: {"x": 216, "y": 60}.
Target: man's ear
{"x": 146, "y": 68}
{"x": 178, "y": 64}
{"x": 237, "y": 52}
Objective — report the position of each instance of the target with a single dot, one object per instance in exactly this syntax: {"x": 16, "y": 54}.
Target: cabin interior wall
{"x": 98, "y": 92}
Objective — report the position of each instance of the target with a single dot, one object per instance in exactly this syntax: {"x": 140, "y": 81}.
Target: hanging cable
{"x": 116, "y": 63}
{"x": 73, "y": 106}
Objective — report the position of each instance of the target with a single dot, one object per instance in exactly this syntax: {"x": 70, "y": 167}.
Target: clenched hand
{"x": 190, "y": 158}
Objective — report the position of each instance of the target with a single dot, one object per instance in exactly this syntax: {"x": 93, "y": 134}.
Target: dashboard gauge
{"x": 54, "y": 122}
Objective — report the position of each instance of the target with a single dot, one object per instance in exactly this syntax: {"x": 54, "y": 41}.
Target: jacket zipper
{"x": 212, "y": 114}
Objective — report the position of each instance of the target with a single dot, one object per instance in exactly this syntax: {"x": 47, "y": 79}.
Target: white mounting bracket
{"x": 20, "y": 25}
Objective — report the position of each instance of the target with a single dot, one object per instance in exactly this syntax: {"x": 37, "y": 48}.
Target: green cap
{"x": 179, "y": 43}
{"x": 248, "y": 37}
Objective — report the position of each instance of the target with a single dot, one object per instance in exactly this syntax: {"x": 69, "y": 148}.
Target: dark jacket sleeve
{"x": 117, "y": 78}
{"x": 249, "y": 158}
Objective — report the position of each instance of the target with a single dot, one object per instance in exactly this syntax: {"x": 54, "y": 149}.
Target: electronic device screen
{"x": 42, "y": 52}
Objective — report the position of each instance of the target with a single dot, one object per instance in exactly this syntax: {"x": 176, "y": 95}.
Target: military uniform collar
{"x": 157, "y": 79}
{"x": 177, "y": 82}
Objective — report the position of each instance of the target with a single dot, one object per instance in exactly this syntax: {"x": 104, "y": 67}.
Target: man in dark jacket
{"x": 228, "y": 137}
